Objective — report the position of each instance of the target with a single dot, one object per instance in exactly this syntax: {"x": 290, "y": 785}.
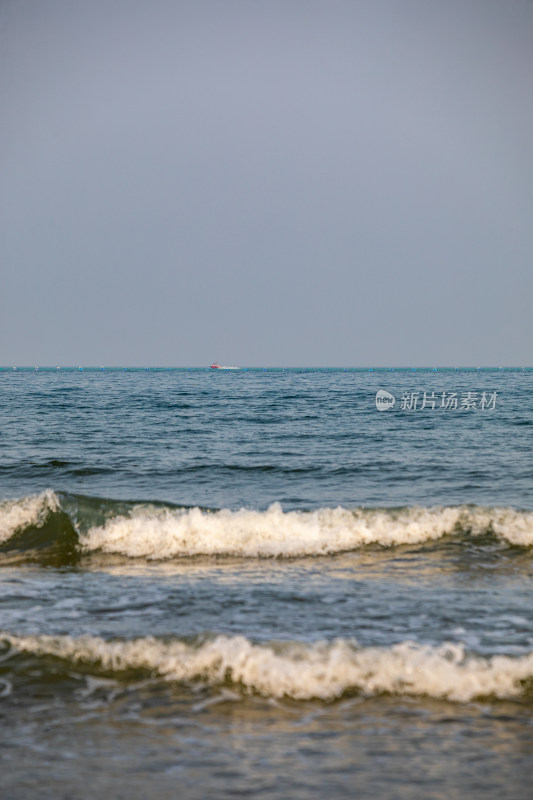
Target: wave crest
{"x": 72, "y": 525}
{"x": 166, "y": 533}
{"x": 323, "y": 670}
{"x": 31, "y": 511}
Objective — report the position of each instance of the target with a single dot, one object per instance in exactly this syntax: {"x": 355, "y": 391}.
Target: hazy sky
{"x": 266, "y": 182}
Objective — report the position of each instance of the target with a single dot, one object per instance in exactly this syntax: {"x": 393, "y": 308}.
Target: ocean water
{"x": 254, "y": 583}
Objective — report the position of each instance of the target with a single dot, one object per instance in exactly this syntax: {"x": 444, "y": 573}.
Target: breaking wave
{"x": 323, "y": 670}
{"x": 69, "y": 524}
{"x": 16, "y": 515}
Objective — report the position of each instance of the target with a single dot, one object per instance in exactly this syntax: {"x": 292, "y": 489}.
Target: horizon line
{"x": 14, "y": 367}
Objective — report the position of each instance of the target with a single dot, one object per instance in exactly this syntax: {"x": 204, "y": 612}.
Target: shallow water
{"x": 256, "y": 583}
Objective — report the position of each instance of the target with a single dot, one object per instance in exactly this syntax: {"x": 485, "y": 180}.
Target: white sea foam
{"x": 164, "y": 533}
{"x": 507, "y": 523}
{"x": 16, "y": 515}
{"x": 324, "y": 670}
{"x": 157, "y": 532}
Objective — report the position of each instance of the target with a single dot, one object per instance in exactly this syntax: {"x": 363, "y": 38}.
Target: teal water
{"x": 256, "y": 583}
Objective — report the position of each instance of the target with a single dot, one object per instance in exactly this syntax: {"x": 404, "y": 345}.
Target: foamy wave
{"x": 302, "y": 671}
{"x": 159, "y": 532}
{"x": 165, "y": 533}
{"x": 16, "y": 515}
{"x": 507, "y": 523}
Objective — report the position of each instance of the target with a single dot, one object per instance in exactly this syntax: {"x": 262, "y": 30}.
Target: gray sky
{"x": 277, "y": 182}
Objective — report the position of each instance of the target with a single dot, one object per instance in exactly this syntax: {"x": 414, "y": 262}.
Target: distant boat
{"x": 216, "y": 365}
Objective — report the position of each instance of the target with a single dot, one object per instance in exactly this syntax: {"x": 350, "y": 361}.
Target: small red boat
{"x": 216, "y": 365}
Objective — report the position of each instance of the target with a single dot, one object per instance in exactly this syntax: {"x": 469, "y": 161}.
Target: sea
{"x": 270, "y": 583}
